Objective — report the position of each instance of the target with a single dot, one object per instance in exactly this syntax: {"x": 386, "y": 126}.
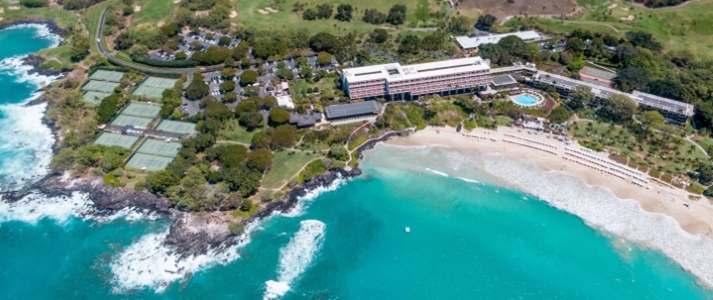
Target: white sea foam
{"x": 437, "y": 172}
{"x": 296, "y": 257}
{"x": 24, "y": 137}
{"x": 304, "y": 201}
{"x": 468, "y": 180}
{"x": 600, "y": 208}
{"x": 150, "y": 263}
{"x": 36, "y": 206}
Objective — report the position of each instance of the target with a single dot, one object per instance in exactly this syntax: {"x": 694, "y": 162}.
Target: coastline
{"x": 659, "y": 198}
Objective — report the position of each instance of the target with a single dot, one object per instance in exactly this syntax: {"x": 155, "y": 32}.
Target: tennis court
{"x": 94, "y": 97}
{"x": 176, "y": 127}
{"x": 113, "y": 139}
{"x": 159, "y": 147}
{"x": 105, "y": 75}
{"x": 141, "y": 110}
{"x": 100, "y": 86}
{"x": 122, "y": 120}
{"x": 140, "y": 161}
{"x": 153, "y": 87}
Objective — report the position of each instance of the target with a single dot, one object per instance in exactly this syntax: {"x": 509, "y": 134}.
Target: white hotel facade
{"x": 396, "y": 82}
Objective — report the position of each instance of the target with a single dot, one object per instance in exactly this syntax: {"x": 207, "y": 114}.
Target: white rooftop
{"x": 396, "y": 72}
{"x": 467, "y": 42}
{"x": 285, "y": 101}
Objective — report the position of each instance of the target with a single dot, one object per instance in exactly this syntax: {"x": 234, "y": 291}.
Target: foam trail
{"x": 150, "y": 263}
{"x": 437, "y": 172}
{"x": 296, "y": 257}
{"x": 468, "y": 180}
{"x": 600, "y": 208}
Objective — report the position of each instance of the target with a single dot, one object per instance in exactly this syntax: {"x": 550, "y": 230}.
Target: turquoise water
{"x": 525, "y": 99}
{"x": 470, "y": 237}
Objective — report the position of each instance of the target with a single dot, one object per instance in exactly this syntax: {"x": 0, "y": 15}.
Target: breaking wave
{"x": 296, "y": 257}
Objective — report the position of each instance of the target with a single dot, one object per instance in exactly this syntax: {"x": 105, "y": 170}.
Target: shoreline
{"x": 697, "y": 219}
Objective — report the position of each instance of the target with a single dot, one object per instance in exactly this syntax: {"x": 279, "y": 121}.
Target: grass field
{"x": 153, "y": 11}
{"x": 285, "y": 166}
{"x": 62, "y": 54}
{"x": 590, "y": 3}
{"x": 688, "y": 27}
{"x": 64, "y": 18}
{"x": 417, "y": 14}
{"x": 232, "y": 131}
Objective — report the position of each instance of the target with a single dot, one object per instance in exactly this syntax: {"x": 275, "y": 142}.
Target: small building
{"x": 473, "y": 42}
{"x": 311, "y": 118}
{"x": 503, "y": 82}
{"x": 285, "y": 101}
{"x": 354, "y": 110}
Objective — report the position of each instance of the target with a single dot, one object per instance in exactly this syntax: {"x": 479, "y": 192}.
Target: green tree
{"x": 580, "y": 97}
{"x": 309, "y": 14}
{"x": 397, "y": 14}
{"x": 260, "y": 140}
{"x": 279, "y": 116}
{"x": 227, "y": 73}
{"x": 459, "y": 25}
{"x": 324, "y": 58}
{"x": 250, "y": 120}
{"x": 242, "y": 179}
{"x": 247, "y": 105}
{"x": 283, "y": 137}
{"x": 107, "y": 108}
{"x": 260, "y": 159}
{"x": 230, "y": 155}
{"x": 344, "y": 12}
{"x": 227, "y": 86}
{"x": 218, "y": 111}
{"x": 337, "y": 151}
{"x": 80, "y": 47}
{"x": 410, "y": 44}
{"x": 559, "y": 115}
{"x": 324, "y": 11}
{"x": 379, "y": 35}
{"x": 651, "y": 118}
{"x": 159, "y": 182}
{"x": 619, "y": 107}
{"x": 230, "y": 97}
{"x": 197, "y": 89}
{"x": 64, "y": 160}
{"x": 248, "y": 77}
{"x": 485, "y": 22}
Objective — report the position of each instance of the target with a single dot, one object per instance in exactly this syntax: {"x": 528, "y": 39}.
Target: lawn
{"x": 232, "y": 131}
{"x": 286, "y": 165}
{"x": 63, "y": 54}
{"x": 591, "y": 3}
{"x": 298, "y": 87}
{"x": 152, "y": 11}
{"x": 65, "y": 19}
{"x": 249, "y": 14}
{"x": 687, "y": 27}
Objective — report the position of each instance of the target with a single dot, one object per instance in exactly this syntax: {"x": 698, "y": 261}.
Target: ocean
{"x": 479, "y": 226}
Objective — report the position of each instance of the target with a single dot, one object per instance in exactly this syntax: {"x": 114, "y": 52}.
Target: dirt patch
{"x": 13, "y": 8}
{"x": 137, "y": 8}
{"x": 263, "y": 12}
{"x": 625, "y": 8}
{"x": 502, "y": 9}
{"x": 2, "y": 10}
{"x": 233, "y": 14}
{"x": 202, "y": 13}
{"x": 272, "y": 10}
{"x": 628, "y": 18}
{"x": 613, "y": 6}
{"x": 176, "y": 1}
{"x": 161, "y": 23}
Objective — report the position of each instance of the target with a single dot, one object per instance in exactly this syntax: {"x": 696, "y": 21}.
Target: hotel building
{"x": 397, "y": 82}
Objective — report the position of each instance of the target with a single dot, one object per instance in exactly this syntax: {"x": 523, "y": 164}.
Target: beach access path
{"x": 549, "y": 153}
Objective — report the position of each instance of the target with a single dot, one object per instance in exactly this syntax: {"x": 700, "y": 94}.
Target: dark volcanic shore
{"x": 190, "y": 233}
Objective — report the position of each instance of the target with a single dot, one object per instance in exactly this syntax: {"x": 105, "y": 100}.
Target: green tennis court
{"x": 112, "y": 139}
{"x": 159, "y": 147}
{"x": 94, "y": 97}
{"x": 105, "y": 75}
{"x": 176, "y": 127}
{"x": 153, "y": 87}
{"x": 122, "y": 120}
{"x": 141, "y": 110}
{"x": 140, "y": 161}
{"x": 598, "y": 73}
{"x": 100, "y": 86}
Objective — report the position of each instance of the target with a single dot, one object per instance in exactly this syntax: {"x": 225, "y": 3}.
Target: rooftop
{"x": 396, "y": 72}
{"x": 310, "y": 118}
{"x": 501, "y": 80}
{"x": 467, "y": 42}
{"x": 352, "y": 110}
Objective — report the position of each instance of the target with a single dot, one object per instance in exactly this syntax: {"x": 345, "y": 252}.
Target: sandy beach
{"x": 518, "y": 144}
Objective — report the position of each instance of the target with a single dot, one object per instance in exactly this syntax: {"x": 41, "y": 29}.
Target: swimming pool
{"x": 525, "y": 99}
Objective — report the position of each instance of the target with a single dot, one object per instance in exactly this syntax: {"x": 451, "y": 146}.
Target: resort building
{"x": 674, "y": 111}
{"x": 396, "y": 82}
{"x": 310, "y": 118}
{"x": 473, "y": 42}
{"x": 351, "y": 111}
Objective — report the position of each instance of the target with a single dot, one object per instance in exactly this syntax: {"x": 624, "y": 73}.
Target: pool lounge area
{"x": 528, "y": 99}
